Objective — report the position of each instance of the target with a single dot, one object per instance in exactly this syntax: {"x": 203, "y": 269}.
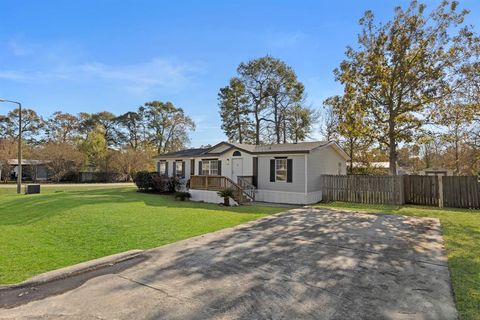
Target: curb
{"x": 74, "y": 270}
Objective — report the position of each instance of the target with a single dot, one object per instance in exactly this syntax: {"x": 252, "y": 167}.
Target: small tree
{"x": 226, "y": 194}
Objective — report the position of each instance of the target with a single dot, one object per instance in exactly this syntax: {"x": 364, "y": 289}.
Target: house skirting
{"x": 208, "y": 196}
{"x": 288, "y": 197}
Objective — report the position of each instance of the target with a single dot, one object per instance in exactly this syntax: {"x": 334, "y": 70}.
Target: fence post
{"x": 440, "y": 191}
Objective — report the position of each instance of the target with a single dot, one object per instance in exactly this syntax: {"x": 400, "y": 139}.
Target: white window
{"x": 162, "y": 168}
{"x": 210, "y": 167}
{"x": 280, "y": 169}
{"x": 178, "y": 168}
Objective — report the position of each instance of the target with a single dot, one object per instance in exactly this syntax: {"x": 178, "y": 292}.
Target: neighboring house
{"x": 380, "y": 167}
{"x": 283, "y": 173}
{"x": 436, "y": 171}
{"x": 35, "y": 170}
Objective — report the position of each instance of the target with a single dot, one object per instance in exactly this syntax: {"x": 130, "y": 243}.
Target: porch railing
{"x": 217, "y": 183}
{"x": 246, "y": 183}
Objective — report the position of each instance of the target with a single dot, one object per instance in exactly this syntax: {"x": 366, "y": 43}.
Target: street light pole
{"x": 19, "y": 163}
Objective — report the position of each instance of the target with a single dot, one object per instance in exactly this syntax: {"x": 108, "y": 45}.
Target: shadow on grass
{"x": 27, "y": 209}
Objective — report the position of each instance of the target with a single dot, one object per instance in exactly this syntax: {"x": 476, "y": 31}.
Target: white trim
{"x": 335, "y": 147}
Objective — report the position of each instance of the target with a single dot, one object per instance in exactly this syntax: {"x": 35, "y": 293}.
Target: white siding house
{"x": 281, "y": 173}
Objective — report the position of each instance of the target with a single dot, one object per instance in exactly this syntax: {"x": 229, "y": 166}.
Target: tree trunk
{"x": 257, "y": 129}
{"x": 392, "y": 147}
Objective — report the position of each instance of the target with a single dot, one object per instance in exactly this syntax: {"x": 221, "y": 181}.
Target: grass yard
{"x": 67, "y": 225}
{"x": 461, "y": 232}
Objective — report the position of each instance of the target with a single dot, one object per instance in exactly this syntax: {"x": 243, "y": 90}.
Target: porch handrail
{"x": 248, "y": 188}
{"x": 218, "y": 183}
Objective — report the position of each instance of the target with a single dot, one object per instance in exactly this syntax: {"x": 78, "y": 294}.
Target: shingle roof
{"x": 184, "y": 153}
{"x": 300, "y": 147}
{"x": 289, "y": 147}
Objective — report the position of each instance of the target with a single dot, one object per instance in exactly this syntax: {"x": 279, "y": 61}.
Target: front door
{"x": 237, "y": 168}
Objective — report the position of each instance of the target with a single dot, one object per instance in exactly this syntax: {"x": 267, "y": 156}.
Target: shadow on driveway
{"x": 303, "y": 264}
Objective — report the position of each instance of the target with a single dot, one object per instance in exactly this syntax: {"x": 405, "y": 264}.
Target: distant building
{"x": 436, "y": 171}
{"x": 379, "y": 167}
{"x": 35, "y": 170}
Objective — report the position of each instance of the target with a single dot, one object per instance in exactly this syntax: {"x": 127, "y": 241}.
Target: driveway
{"x": 302, "y": 264}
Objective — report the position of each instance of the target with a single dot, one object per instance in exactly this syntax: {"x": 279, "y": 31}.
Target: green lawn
{"x": 461, "y": 231}
{"x": 67, "y": 225}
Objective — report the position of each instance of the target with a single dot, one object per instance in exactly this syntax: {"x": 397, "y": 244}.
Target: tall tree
{"x": 95, "y": 147}
{"x": 168, "y": 126}
{"x": 348, "y": 125}
{"x": 403, "y": 67}
{"x": 108, "y": 121}
{"x": 284, "y": 93}
{"x": 298, "y": 123}
{"x": 263, "y": 98}
{"x": 131, "y": 129}
{"x": 234, "y": 111}
{"x": 62, "y": 127}
{"x": 32, "y": 124}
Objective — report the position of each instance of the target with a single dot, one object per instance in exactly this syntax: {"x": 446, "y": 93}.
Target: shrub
{"x": 161, "y": 183}
{"x": 182, "y": 195}
{"x": 226, "y": 194}
{"x": 173, "y": 184}
{"x": 144, "y": 180}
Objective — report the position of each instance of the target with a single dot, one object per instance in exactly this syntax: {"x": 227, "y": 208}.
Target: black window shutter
{"x": 219, "y": 167}
{"x": 158, "y": 167}
{"x": 200, "y": 168}
{"x": 166, "y": 168}
{"x": 272, "y": 170}
{"x": 289, "y": 170}
{"x": 174, "y": 168}
{"x": 183, "y": 169}
{"x": 192, "y": 167}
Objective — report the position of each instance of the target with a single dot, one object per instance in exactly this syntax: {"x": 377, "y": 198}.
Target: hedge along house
{"x": 281, "y": 173}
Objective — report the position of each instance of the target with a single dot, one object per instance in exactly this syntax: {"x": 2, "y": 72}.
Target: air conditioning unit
{"x": 32, "y": 188}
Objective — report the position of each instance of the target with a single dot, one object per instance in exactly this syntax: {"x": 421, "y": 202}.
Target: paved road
{"x": 303, "y": 264}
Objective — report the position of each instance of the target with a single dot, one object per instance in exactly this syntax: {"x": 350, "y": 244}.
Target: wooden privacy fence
{"x": 363, "y": 189}
{"x": 423, "y": 190}
{"x": 461, "y": 192}
{"x": 457, "y": 191}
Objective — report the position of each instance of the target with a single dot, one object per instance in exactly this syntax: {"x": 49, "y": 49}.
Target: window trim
{"x": 210, "y": 171}
{"x": 178, "y": 173}
{"x": 284, "y": 169}
{"x": 164, "y": 163}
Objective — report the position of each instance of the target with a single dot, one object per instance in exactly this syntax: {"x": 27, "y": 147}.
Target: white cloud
{"x": 54, "y": 63}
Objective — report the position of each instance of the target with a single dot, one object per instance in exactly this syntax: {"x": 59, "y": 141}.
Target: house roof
{"x": 184, "y": 153}
{"x": 289, "y": 147}
{"x": 26, "y": 162}
{"x": 222, "y": 147}
{"x": 373, "y": 164}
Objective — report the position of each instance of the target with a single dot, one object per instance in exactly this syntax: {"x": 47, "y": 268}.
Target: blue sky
{"x": 99, "y": 55}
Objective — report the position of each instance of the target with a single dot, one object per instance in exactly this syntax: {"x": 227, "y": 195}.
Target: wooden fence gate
{"x": 423, "y": 190}
{"x": 441, "y": 191}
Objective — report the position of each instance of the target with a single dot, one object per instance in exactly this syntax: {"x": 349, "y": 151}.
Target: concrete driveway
{"x": 302, "y": 264}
